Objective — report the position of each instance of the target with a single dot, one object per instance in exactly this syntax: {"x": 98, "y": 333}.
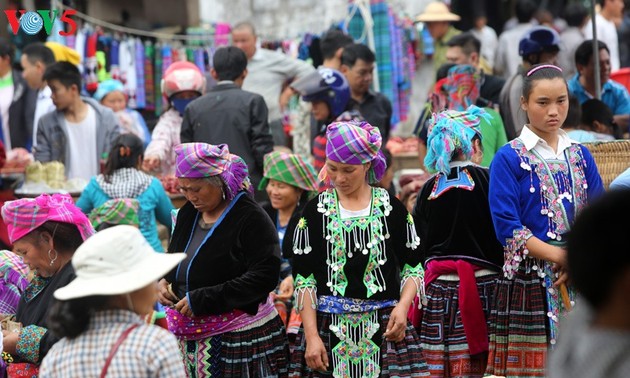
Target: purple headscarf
{"x": 355, "y": 143}
{"x": 199, "y": 160}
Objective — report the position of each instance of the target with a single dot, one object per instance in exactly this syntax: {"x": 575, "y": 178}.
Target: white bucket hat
{"x": 117, "y": 260}
{"x": 435, "y": 12}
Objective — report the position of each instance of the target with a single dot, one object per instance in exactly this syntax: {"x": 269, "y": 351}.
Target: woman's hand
{"x": 316, "y": 355}
{"x": 397, "y": 323}
{"x": 9, "y": 341}
{"x": 150, "y": 164}
{"x": 285, "y": 291}
{"x": 166, "y": 296}
{"x": 562, "y": 278}
{"x": 183, "y": 307}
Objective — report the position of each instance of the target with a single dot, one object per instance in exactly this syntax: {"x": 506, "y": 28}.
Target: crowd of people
{"x": 294, "y": 254}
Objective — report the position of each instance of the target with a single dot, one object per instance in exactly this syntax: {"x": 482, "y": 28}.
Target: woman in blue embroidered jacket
{"x": 356, "y": 268}
{"x": 538, "y": 182}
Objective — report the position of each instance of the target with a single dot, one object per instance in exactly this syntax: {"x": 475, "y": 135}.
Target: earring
{"x": 223, "y": 194}
{"x": 52, "y": 260}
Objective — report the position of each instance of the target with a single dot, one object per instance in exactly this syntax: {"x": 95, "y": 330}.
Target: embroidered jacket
{"x": 235, "y": 268}
{"x": 362, "y": 257}
{"x": 531, "y": 196}
{"x": 453, "y": 218}
{"x": 35, "y": 340}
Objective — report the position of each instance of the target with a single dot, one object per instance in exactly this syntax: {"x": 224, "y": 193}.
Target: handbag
{"x": 114, "y": 349}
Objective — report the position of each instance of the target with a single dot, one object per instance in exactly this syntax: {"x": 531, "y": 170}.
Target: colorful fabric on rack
{"x": 114, "y": 60}
{"x": 190, "y": 55}
{"x": 149, "y": 76}
{"x": 140, "y": 78}
{"x": 79, "y": 47}
{"x": 397, "y": 74}
{"x": 131, "y": 84}
{"x": 394, "y": 54}
{"x": 222, "y": 34}
{"x": 91, "y": 80}
{"x": 167, "y": 58}
{"x": 124, "y": 61}
{"x": 198, "y": 59}
{"x": 157, "y": 79}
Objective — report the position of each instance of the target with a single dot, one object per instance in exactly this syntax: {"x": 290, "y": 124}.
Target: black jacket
{"x": 457, "y": 224}
{"x": 35, "y": 311}
{"x": 227, "y": 114}
{"x": 21, "y": 113}
{"x": 237, "y": 267}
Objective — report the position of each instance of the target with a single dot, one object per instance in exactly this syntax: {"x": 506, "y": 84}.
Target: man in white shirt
{"x": 507, "y": 59}
{"x": 80, "y": 131}
{"x": 606, "y": 29}
{"x": 17, "y": 103}
{"x": 268, "y": 71}
{"x": 576, "y": 17}
{"x": 35, "y": 58}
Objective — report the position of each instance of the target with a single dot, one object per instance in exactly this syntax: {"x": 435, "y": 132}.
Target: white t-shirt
{"x": 43, "y": 105}
{"x": 346, "y": 214}
{"x": 82, "y": 141}
{"x": 607, "y": 33}
{"x": 6, "y": 97}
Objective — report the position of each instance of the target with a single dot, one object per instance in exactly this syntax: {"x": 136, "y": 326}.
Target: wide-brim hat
{"x": 435, "y": 12}
{"x": 117, "y": 260}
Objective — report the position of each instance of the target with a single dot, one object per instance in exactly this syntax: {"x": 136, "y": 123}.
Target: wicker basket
{"x": 611, "y": 157}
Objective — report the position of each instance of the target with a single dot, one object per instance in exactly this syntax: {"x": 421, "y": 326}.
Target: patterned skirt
{"x": 260, "y": 350}
{"x": 519, "y": 327}
{"x": 397, "y": 359}
{"x": 442, "y": 333}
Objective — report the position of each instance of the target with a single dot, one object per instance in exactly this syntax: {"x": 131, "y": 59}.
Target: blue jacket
{"x": 154, "y": 203}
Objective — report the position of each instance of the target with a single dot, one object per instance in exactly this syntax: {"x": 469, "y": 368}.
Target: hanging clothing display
{"x": 393, "y": 46}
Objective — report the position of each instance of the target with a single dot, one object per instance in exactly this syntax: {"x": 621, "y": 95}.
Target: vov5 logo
{"x": 33, "y": 22}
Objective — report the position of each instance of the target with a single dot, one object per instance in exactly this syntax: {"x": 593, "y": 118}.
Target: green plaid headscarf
{"x": 290, "y": 169}
{"x": 116, "y": 212}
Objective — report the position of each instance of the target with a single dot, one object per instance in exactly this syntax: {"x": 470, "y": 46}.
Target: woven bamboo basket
{"x": 611, "y": 157}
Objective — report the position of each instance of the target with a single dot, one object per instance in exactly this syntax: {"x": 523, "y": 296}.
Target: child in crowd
{"x": 115, "y": 212}
{"x": 328, "y": 92}
{"x": 182, "y": 83}
{"x": 110, "y": 93}
{"x": 122, "y": 178}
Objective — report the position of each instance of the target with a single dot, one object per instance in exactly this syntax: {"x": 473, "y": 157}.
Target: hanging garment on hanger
{"x": 91, "y": 65}
{"x": 149, "y": 76}
{"x": 127, "y": 54}
{"x": 190, "y": 54}
{"x": 158, "y": 73}
{"x": 102, "y": 48}
{"x": 198, "y": 59}
{"x": 140, "y": 77}
{"x": 114, "y": 69}
{"x": 80, "y": 41}
{"x": 167, "y": 58}
{"x": 222, "y": 32}
{"x": 104, "y": 44}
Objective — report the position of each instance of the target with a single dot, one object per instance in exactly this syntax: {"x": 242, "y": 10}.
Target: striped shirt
{"x": 148, "y": 351}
